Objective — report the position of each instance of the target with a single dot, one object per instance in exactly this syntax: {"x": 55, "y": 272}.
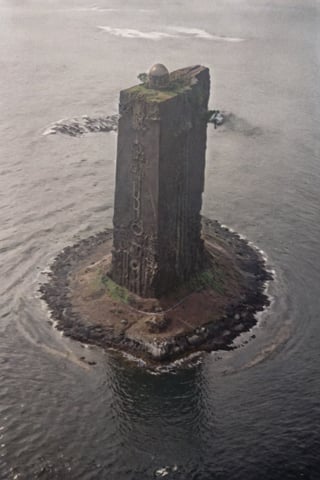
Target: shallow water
{"x": 247, "y": 414}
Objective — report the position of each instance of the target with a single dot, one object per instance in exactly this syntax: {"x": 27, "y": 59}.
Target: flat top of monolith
{"x": 162, "y": 85}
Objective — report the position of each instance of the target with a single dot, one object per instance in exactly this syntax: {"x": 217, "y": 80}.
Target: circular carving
{"x": 137, "y": 229}
{"x": 134, "y": 264}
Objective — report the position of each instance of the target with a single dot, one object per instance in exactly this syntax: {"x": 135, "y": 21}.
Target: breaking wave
{"x": 93, "y": 8}
{"x": 132, "y": 33}
{"x": 85, "y": 124}
{"x": 198, "y": 33}
{"x": 174, "y": 32}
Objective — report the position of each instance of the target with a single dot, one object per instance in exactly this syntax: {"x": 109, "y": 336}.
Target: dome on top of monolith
{"x": 158, "y": 76}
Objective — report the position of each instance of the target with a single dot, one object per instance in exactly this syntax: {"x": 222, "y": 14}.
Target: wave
{"x": 132, "y": 33}
{"x": 85, "y": 124}
{"x": 94, "y": 8}
{"x": 174, "y": 32}
{"x": 198, "y": 33}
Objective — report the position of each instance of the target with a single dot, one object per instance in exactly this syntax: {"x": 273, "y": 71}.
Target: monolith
{"x": 157, "y": 241}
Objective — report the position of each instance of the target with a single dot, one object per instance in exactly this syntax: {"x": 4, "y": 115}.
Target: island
{"x": 165, "y": 281}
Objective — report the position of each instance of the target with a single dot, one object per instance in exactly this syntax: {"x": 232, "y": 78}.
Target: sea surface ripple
{"x": 68, "y": 411}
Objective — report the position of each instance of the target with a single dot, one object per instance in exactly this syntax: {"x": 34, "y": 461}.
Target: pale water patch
{"x": 96, "y": 8}
{"x": 93, "y": 8}
{"x": 133, "y": 33}
{"x": 199, "y": 33}
{"x": 176, "y": 32}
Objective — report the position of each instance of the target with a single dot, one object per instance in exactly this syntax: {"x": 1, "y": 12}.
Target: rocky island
{"x": 165, "y": 281}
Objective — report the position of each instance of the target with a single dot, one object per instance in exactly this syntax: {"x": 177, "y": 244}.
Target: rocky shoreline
{"x": 204, "y": 320}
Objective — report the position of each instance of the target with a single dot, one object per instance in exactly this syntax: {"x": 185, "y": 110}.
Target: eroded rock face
{"x": 159, "y": 183}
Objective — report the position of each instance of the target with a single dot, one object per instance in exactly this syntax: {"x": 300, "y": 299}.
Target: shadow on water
{"x": 160, "y": 417}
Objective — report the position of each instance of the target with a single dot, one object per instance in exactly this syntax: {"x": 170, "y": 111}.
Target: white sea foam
{"x": 199, "y": 33}
{"x": 132, "y": 358}
{"x": 164, "y": 471}
{"x": 132, "y": 33}
{"x": 94, "y": 8}
{"x": 267, "y": 266}
{"x": 194, "y": 358}
{"x": 174, "y": 32}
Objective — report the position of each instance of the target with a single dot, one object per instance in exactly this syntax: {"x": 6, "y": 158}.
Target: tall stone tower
{"x": 157, "y": 240}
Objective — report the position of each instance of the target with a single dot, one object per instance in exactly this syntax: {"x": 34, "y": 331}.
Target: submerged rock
{"x": 82, "y": 125}
{"x": 216, "y": 118}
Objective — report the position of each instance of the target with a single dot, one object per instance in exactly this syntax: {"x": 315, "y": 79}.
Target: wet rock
{"x": 75, "y": 127}
{"x": 239, "y": 327}
{"x": 194, "y": 340}
{"x": 226, "y": 333}
{"x": 157, "y": 324}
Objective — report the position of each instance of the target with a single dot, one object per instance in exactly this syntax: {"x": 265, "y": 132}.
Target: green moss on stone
{"x": 115, "y": 291}
{"x": 151, "y": 95}
{"x": 207, "y": 279}
{"x": 96, "y": 286}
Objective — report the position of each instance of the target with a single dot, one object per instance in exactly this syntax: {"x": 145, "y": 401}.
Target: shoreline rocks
{"x": 157, "y": 338}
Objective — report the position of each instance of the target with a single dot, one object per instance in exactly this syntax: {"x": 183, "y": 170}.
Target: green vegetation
{"x": 97, "y": 287}
{"x": 116, "y": 292}
{"x": 212, "y": 278}
{"x": 150, "y": 94}
{"x": 143, "y": 77}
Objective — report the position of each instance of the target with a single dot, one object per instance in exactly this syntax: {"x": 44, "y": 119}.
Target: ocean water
{"x": 253, "y": 413}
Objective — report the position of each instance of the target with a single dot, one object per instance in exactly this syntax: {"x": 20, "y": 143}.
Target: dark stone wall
{"x": 134, "y": 263}
{"x": 159, "y": 184}
{"x": 181, "y": 181}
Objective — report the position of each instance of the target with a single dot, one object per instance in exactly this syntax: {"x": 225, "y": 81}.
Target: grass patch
{"x": 143, "y": 91}
{"x": 96, "y": 286}
{"x": 212, "y": 279}
{"x": 120, "y": 294}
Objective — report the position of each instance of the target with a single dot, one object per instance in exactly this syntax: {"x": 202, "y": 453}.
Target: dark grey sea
{"x": 249, "y": 414}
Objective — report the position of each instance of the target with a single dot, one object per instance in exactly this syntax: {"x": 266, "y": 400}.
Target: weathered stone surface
{"x": 159, "y": 183}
